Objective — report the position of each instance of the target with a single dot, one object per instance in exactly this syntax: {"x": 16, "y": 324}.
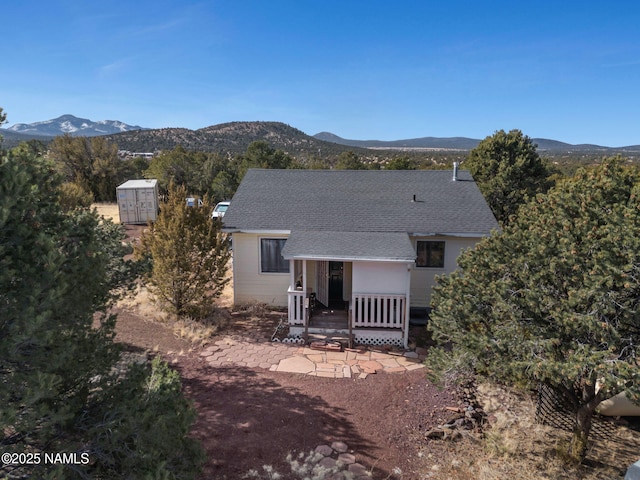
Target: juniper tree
{"x": 59, "y": 390}
{"x": 180, "y": 166}
{"x": 508, "y": 170}
{"x": 190, "y": 255}
{"x": 553, "y": 299}
{"x": 350, "y": 161}
{"x": 91, "y": 163}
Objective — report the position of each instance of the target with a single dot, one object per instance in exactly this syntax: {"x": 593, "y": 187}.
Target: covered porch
{"x": 341, "y": 291}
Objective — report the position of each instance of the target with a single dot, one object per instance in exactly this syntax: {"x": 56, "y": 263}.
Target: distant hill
{"x": 71, "y": 125}
{"x": 437, "y": 143}
{"x": 226, "y": 138}
{"x": 13, "y": 139}
{"x": 234, "y": 137}
{"x": 230, "y": 138}
{"x": 464, "y": 143}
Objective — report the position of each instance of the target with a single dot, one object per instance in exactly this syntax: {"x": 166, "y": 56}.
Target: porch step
{"x": 326, "y": 346}
{"x": 342, "y": 338}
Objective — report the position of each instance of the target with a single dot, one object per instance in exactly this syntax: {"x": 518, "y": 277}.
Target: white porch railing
{"x": 296, "y": 307}
{"x": 367, "y": 309}
{"x": 378, "y": 310}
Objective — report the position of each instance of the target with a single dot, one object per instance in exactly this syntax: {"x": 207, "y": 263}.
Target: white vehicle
{"x": 220, "y": 209}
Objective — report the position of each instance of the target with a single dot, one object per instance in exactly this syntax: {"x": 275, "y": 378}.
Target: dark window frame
{"x": 430, "y": 253}
{"x": 271, "y": 260}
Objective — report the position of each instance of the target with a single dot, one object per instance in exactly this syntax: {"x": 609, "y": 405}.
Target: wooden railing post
{"x": 296, "y": 307}
{"x": 350, "y": 320}
{"x": 305, "y": 316}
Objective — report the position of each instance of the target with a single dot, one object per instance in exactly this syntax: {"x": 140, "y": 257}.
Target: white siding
{"x": 347, "y": 286}
{"x": 379, "y": 277}
{"x": 250, "y": 285}
{"x": 423, "y": 279}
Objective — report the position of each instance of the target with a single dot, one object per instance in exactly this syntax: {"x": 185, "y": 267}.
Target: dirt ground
{"x": 248, "y": 418}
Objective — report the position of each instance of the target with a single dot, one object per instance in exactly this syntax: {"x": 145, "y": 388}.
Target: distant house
{"x": 365, "y": 243}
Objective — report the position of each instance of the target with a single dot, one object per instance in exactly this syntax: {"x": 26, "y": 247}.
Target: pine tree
{"x": 59, "y": 389}
{"x": 553, "y": 299}
{"x": 190, "y": 255}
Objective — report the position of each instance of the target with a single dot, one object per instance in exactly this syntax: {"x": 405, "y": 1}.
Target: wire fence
{"x": 555, "y": 411}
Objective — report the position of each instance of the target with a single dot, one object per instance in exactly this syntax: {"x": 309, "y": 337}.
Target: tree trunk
{"x": 579, "y": 440}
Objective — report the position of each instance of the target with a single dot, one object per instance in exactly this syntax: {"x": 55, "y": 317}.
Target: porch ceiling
{"x": 349, "y": 246}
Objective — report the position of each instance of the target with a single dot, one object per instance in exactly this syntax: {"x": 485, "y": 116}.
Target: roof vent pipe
{"x": 455, "y": 171}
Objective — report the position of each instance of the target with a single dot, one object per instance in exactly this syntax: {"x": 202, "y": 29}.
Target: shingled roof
{"x": 416, "y": 202}
{"x": 346, "y": 246}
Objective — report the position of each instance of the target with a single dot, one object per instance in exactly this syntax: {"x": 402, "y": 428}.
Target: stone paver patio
{"x": 282, "y": 357}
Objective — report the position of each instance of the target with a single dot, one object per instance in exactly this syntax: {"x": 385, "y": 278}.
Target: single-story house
{"x": 363, "y": 245}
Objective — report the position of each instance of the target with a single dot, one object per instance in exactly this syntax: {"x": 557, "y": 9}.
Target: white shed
{"x": 138, "y": 201}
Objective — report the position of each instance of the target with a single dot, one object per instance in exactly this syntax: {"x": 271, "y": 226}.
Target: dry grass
{"x": 515, "y": 447}
{"x": 254, "y": 309}
{"x": 143, "y": 304}
{"x": 196, "y": 331}
{"x": 108, "y": 210}
{"x": 226, "y": 299}
{"x": 200, "y": 332}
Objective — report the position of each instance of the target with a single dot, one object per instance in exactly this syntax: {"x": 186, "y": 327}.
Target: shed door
{"x": 146, "y": 204}
{"x": 322, "y": 282}
{"x": 128, "y": 206}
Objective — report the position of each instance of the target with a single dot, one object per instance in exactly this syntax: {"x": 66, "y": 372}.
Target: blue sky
{"x": 362, "y": 69}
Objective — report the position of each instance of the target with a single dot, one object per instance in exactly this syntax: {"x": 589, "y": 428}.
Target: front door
{"x": 322, "y": 282}
{"x": 336, "y": 280}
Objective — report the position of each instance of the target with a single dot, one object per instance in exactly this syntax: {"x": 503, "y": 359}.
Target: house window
{"x": 271, "y": 260}
{"x": 430, "y": 254}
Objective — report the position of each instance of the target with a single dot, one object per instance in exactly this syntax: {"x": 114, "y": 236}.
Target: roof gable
{"x": 427, "y": 202}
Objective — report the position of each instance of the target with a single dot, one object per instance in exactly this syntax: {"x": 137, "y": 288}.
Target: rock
{"x": 371, "y": 366}
{"x": 325, "y": 450}
{"x": 357, "y": 469}
{"x": 435, "y": 434}
{"x": 327, "y": 462}
{"x": 346, "y": 458}
{"x": 451, "y": 419}
{"x": 337, "y": 476}
{"x": 339, "y": 447}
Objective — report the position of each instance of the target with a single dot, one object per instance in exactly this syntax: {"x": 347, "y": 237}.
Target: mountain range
{"x": 234, "y": 137}
{"x": 462, "y": 143}
{"x": 73, "y": 126}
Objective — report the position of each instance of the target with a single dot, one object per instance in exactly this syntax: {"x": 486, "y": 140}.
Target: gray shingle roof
{"x": 360, "y": 201}
{"x": 393, "y": 246}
